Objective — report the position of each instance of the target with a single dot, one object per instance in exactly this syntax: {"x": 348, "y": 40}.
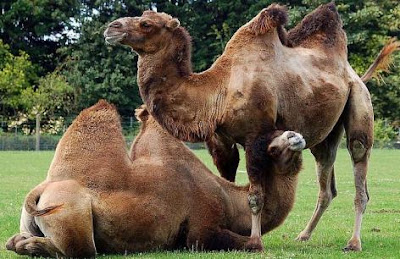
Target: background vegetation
{"x": 54, "y": 61}
{"x": 21, "y": 171}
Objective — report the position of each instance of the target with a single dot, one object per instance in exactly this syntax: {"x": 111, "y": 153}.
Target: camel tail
{"x": 383, "y": 61}
{"x": 32, "y": 199}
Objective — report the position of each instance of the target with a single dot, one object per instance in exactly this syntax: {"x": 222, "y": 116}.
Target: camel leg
{"x": 359, "y": 126}
{"x": 69, "y": 228}
{"x": 27, "y": 229}
{"x": 257, "y": 164}
{"x": 37, "y": 246}
{"x": 225, "y": 156}
{"x": 325, "y": 155}
{"x": 218, "y": 239}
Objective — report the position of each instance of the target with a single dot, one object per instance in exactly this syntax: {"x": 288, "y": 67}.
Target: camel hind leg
{"x": 359, "y": 126}
{"x": 68, "y": 231}
{"x": 325, "y": 155}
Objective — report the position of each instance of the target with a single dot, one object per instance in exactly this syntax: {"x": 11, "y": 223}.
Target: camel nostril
{"x": 115, "y": 25}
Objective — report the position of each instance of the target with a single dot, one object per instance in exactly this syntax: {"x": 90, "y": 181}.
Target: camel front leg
{"x": 225, "y": 156}
{"x": 215, "y": 238}
{"x": 257, "y": 164}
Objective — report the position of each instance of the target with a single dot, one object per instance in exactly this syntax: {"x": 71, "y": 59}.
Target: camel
{"x": 265, "y": 80}
{"x": 98, "y": 198}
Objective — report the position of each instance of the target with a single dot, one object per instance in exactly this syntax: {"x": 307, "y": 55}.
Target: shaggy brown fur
{"x": 255, "y": 87}
{"x": 161, "y": 197}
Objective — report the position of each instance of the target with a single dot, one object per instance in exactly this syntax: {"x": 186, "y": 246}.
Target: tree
{"x": 98, "y": 71}
{"x": 38, "y": 28}
{"x": 15, "y": 74}
{"x": 52, "y": 95}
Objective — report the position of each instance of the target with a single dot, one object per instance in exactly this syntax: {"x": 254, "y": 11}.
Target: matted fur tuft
{"x": 141, "y": 113}
{"x": 325, "y": 19}
{"x": 271, "y": 17}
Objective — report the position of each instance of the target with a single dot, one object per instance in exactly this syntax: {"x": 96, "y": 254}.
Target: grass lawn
{"x": 21, "y": 171}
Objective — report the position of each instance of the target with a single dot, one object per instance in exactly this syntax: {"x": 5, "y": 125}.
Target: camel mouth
{"x": 115, "y": 39}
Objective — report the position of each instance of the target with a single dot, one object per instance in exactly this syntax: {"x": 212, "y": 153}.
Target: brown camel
{"x": 259, "y": 85}
{"x": 98, "y": 198}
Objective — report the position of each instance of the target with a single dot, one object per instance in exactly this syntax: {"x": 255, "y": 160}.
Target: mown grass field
{"x": 20, "y": 171}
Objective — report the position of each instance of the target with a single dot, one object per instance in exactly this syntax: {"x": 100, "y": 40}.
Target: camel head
{"x": 285, "y": 149}
{"x": 144, "y": 34}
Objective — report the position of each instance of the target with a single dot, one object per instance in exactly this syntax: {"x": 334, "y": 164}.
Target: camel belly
{"x": 313, "y": 113}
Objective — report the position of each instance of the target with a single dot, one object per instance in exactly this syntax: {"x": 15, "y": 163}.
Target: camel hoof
{"x": 254, "y": 245}
{"x": 296, "y": 140}
{"x": 353, "y": 246}
{"x": 12, "y": 242}
{"x": 302, "y": 237}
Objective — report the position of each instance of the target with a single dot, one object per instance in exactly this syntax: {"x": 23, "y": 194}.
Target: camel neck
{"x": 188, "y": 105}
{"x": 280, "y": 195}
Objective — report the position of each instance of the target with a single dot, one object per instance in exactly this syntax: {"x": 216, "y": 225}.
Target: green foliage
{"x": 53, "y": 94}
{"x": 384, "y": 134}
{"x": 97, "y": 71}
{"x": 39, "y": 28}
{"x": 15, "y": 72}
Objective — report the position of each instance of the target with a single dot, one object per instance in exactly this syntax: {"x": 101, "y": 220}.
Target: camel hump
{"x": 100, "y": 113}
{"x": 274, "y": 16}
{"x": 95, "y": 127}
{"x": 322, "y": 27}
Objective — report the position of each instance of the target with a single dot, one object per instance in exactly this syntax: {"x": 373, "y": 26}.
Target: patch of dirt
{"x": 385, "y": 211}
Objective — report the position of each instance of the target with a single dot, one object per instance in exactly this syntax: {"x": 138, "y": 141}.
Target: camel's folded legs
{"x": 216, "y": 239}
{"x": 37, "y": 246}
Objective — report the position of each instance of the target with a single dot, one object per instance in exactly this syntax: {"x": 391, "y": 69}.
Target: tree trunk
{"x": 37, "y": 132}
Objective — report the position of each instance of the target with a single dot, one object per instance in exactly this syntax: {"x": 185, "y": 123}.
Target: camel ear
{"x": 141, "y": 113}
{"x": 271, "y": 17}
{"x": 173, "y": 24}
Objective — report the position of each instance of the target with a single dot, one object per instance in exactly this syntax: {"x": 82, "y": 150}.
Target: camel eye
{"x": 145, "y": 25}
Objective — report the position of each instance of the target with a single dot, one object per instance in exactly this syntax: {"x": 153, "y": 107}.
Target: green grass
{"x": 20, "y": 171}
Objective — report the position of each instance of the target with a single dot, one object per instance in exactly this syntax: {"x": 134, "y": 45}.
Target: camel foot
{"x": 12, "y": 241}
{"x": 254, "y": 245}
{"x": 353, "y": 245}
{"x": 303, "y": 237}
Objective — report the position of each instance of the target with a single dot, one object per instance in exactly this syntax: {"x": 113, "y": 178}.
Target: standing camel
{"x": 97, "y": 198}
{"x": 257, "y": 86}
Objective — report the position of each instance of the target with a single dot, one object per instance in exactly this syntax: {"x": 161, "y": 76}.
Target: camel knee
{"x": 256, "y": 200}
{"x": 358, "y": 149}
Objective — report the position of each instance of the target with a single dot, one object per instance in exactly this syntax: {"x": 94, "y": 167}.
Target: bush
{"x": 27, "y": 142}
{"x": 385, "y": 135}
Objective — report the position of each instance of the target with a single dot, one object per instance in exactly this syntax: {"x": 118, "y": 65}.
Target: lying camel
{"x": 259, "y": 85}
{"x": 98, "y": 198}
